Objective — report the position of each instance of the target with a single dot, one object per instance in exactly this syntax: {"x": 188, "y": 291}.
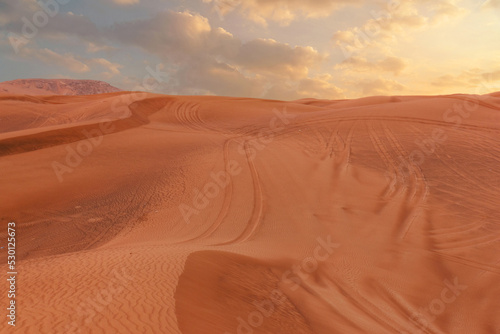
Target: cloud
{"x": 380, "y": 86}
{"x": 281, "y": 11}
{"x": 200, "y": 58}
{"x": 360, "y": 64}
{"x": 13, "y": 10}
{"x": 491, "y": 4}
{"x": 126, "y": 2}
{"x": 385, "y": 23}
{"x": 93, "y": 48}
{"x": 319, "y": 87}
{"x": 217, "y": 78}
{"x": 69, "y": 61}
{"x": 175, "y": 34}
{"x": 47, "y": 56}
{"x": 269, "y": 56}
{"x": 184, "y": 36}
{"x": 491, "y": 76}
{"x": 212, "y": 60}
{"x": 64, "y": 24}
{"x": 112, "y": 68}
{"x": 25, "y": 20}
{"x": 446, "y": 10}
{"x": 475, "y": 80}
{"x": 395, "y": 19}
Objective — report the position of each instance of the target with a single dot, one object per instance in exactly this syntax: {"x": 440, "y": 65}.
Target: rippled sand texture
{"x": 222, "y": 215}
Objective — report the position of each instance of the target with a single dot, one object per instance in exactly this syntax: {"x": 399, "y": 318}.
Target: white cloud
{"x": 270, "y": 56}
{"x": 178, "y": 35}
{"x": 212, "y": 59}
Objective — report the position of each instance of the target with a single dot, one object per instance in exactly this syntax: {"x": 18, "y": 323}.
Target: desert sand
{"x": 145, "y": 213}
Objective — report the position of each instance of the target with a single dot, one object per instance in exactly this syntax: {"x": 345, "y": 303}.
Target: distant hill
{"x": 56, "y": 87}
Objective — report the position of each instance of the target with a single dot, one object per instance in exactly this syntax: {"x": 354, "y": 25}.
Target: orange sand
{"x": 121, "y": 241}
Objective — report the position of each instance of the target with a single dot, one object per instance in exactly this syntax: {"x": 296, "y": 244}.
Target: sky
{"x": 273, "y": 49}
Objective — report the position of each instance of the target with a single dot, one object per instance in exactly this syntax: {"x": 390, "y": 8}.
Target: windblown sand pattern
{"x": 143, "y": 213}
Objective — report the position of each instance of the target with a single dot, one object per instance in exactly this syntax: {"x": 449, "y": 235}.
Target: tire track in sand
{"x": 228, "y": 195}
{"x": 418, "y": 187}
{"x": 256, "y": 218}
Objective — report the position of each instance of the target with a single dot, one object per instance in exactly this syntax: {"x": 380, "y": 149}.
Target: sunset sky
{"x": 278, "y": 49}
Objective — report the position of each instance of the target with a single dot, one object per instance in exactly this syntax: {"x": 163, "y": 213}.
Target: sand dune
{"x": 143, "y": 213}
